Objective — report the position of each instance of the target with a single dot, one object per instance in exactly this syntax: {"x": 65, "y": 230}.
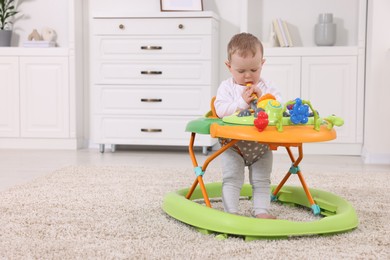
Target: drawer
{"x": 145, "y": 131}
{"x": 152, "y": 26}
{"x": 148, "y": 72}
{"x": 150, "y": 100}
{"x": 151, "y": 48}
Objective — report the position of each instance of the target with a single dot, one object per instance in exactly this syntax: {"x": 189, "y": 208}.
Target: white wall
{"x": 38, "y": 14}
{"x": 117, "y": 6}
{"x": 377, "y": 97}
{"x": 229, "y": 12}
{"x": 301, "y": 16}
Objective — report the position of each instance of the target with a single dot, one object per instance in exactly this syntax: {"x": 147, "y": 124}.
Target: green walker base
{"x": 339, "y": 215}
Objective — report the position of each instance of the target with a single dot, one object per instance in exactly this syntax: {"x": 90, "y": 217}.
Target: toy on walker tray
{"x": 268, "y": 111}
{"x": 267, "y": 121}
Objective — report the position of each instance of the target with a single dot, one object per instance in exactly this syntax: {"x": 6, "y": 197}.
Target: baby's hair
{"x": 244, "y": 44}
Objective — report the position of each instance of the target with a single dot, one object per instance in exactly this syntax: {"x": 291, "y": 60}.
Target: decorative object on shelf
{"x": 184, "y": 5}
{"x": 325, "y": 30}
{"x": 48, "y": 34}
{"x": 5, "y": 38}
{"x": 38, "y": 44}
{"x": 282, "y": 33}
{"x": 44, "y": 40}
{"x": 34, "y": 36}
{"x": 272, "y": 39}
{"x": 7, "y": 11}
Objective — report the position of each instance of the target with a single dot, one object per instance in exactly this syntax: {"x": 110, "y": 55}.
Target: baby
{"x": 245, "y": 61}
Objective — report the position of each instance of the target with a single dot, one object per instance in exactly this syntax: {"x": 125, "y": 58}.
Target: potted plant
{"x": 7, "y": 11}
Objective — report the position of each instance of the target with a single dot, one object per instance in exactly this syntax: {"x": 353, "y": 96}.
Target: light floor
{"x": 20, "y": 166}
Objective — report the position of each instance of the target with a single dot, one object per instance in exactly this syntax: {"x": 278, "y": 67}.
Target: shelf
{"x": 200, "y": 14}
{"x": 311, "y": 51}
{"x": 22, "y": 51}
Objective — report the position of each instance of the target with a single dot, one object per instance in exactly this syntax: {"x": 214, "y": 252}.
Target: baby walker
{"x": 271, "y": 123}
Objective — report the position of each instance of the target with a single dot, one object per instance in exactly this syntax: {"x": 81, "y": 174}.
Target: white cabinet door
{"x": 285, "y": 73}
{"x": 44, "y": 97}
{"x": 330, "y": 83}
{"x": 9, "y": 97}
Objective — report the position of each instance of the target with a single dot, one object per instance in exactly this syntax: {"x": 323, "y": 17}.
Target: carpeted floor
{"x": 115, "y": 213}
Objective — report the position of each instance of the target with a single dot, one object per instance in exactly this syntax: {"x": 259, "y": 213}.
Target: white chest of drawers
{"x": 150, "y": 76}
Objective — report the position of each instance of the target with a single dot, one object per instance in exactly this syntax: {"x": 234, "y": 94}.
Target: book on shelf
{"x": 39, "y": 44}
{"x": 282, "y": 33}
{"x": 288, "y": 35}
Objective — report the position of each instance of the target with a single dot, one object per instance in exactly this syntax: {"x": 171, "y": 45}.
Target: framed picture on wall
{"x": 181, "y": 5}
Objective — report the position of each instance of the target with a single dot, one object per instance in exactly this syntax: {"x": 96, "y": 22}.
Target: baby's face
{"x": 246, "y": 69}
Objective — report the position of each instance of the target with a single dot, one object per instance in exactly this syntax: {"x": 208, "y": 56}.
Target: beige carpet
{"x": 115, "y": 213}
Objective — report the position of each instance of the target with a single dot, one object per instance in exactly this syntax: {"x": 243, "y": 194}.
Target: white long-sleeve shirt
{"x": 229, "y": 96}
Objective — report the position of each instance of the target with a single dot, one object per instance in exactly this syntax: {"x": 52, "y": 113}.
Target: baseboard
{"x": 41, "y": 143}
{"x": 375, "y": 158}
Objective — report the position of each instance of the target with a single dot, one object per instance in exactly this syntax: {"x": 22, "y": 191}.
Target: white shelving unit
{"x": 43, "y": 93}
{"x": 332, "y": 78}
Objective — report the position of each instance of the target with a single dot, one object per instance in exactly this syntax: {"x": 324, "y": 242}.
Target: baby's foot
{"x": 265, "y": 216}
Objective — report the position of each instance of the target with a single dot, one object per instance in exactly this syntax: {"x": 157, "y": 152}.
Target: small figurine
{"x": 49, "y": 34}
{"x": 34, "y": 36}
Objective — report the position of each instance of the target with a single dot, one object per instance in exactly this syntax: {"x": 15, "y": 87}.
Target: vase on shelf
{"x": 5, "y": 38}
{"x": 325, "y": 30}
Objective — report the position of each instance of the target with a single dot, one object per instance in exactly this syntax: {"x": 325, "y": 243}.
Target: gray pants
{"x": 233, "y": 170}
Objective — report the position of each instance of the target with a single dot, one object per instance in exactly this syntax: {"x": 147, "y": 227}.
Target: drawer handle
{"x": 151, "y": 47}
{"x": 151, "y": 100}
{"x": 181, "y": 26}
{"x": 151, "y": 72}
{"x": 121, "y": 26}
{"x": 151, "y": 130}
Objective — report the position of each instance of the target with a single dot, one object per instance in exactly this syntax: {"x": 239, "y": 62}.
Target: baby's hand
{"x": 257, "y": 91}
{"x": 247, "y": 95}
